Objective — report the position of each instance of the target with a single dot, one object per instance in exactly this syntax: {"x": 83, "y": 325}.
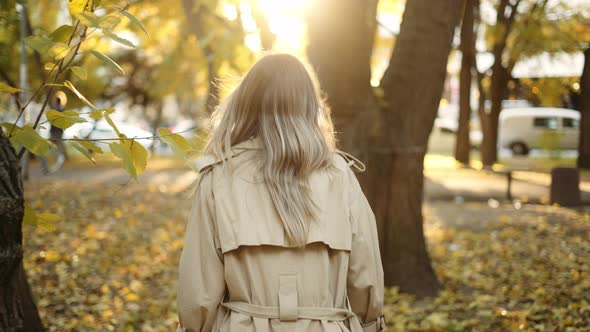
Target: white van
{"x": 526, "y": 128}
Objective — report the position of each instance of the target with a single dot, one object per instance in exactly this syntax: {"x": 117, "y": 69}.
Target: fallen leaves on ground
{"x": 502, "y": 269}
{"x": 111, "y": 263}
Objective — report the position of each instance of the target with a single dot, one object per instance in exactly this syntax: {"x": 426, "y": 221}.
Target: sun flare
{"x": 286, "y": 19}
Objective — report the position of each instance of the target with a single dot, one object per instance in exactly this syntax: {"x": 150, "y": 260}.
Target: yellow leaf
{"x": 180, "y": 146}
{"x": 63, "y": 119}
{"x": 131, "y": 297}
{"x": 51, "y": 256}
{"x": 9, "y": 89}
{"x": 76, "y": 6}
{"x": 32, "y": 141}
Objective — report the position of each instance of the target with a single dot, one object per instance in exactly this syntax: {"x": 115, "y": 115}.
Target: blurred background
{"x": 493, "y": 94}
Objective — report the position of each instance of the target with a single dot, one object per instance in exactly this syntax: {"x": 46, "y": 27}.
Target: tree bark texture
{"x": 390, "y": 135}
{"x": 462, "y": 143}
{"x": 17, "y": 308}
{"x": 412, "y": 86}
{"x": 584, "y": 144}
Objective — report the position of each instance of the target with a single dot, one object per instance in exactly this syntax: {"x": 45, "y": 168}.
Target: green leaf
{"x": 104, "y": 113}
{"x": 8, "y": 88}
{"x": 99, "y": 114}
{"x": 89, "y": 19}
{"x": 80, "y": 72}
{"x": 83, "y": 151}
{"x": 109, "y": 22}
{"x": 44, "y": 45}
{"x": 70, "y": 86}
{"x": 9, "y": 127}
{"x": 44, "y": 220}
{"x": 117, "y": 38}
{"x": 30, "y": 217}
{"x": 90, "y": 146}
{"x": 132, "y": 19}
{"x": 180, "y": 146}
{"x": 108, "y": 61}
{"x": 63, "y": 119}
{"x": 62, "y": 34}
{"x": 32, "y": 141}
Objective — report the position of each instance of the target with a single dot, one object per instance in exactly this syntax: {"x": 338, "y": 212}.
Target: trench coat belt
{"x": 319, "y": 313}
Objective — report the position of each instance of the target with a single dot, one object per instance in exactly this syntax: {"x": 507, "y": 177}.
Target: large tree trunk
{"x": 17, "y": 308}
{"x": 412, "y": 86}
{"x": 462, "y": 144}
{"x": 392, "y": 140}
{"x": 341, "y": 34}
{"x": 584, "y": 145}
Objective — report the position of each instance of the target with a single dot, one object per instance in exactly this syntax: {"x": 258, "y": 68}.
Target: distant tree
{"x": 219, "y": 39}
{"x": 506, "y": 14}
{"x": 468, "y": 34}
{"x": 388, "y": 129}
{"x": 584, "y": 145}
{"x": 522, "y": 29}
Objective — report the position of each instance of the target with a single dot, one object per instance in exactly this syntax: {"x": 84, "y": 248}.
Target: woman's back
{"x": 253, "y": 268}
{"x": 281, "y": 237}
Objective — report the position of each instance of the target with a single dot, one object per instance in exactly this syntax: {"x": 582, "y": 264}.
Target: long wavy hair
{"x": 278, "y": 102}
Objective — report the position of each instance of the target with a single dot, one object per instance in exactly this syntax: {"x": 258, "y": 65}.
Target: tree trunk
{"x": 462, "y": 144}
{"x": 412, "y": 86}
{"x": 584, "y": 144}
{"x": 341, "y": 34}
{"x": 491, "y": 117}
{"x": 17, "y": 308}
{"x": 392, "y": 140}
{"x": 505, "y": 16}
{"x": 156, "y": 123}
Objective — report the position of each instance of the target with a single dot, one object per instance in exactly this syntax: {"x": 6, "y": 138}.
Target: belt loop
{"x": 288, "y": 297}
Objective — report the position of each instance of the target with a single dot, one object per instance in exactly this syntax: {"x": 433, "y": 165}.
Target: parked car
{"x": 526, "y": 128}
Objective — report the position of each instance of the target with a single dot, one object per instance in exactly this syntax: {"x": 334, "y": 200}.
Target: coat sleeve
{"x": 201, "y": 283}
{"x": 365, "y": 272}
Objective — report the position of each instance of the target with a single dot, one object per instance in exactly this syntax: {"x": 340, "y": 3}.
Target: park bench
{"x": 564, "y": 187}
{"x": 508, "y": 174}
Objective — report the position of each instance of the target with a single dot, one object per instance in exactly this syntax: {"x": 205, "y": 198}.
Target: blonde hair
{"x": 279, "y": 103}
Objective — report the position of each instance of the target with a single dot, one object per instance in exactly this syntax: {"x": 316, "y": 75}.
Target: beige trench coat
{"x": 239, "y": 273}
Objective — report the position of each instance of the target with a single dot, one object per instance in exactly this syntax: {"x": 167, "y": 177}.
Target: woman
{"x": 280, "y": 237}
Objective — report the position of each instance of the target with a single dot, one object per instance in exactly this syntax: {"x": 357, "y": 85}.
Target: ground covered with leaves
{"x": 503, "y": 268}
{"x": 111, "y": 262}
